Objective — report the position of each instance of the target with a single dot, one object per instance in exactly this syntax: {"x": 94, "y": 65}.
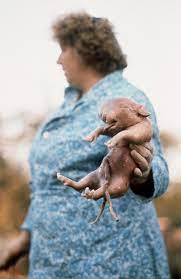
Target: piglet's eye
{"x": 112, "y": 121}
{"x": 104, "y": 118}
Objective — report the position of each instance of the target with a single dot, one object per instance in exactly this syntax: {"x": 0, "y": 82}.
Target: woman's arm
{"x": 155, "y": 179}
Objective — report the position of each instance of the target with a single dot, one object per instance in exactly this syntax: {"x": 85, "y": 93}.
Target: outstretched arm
{"x": 155, "y": 175}
{"x": 150, "y": 179}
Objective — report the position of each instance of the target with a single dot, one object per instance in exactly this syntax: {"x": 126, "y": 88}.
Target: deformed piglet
{"x": 125, "y": 122}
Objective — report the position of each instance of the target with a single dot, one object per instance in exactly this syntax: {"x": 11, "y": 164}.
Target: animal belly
{"x": 118, "y": 186}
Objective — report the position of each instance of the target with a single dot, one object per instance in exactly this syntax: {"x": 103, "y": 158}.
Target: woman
{"x": 63, "y": 242}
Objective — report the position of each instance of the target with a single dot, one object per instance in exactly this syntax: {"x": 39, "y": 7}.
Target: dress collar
{"x": 97, "y": 90}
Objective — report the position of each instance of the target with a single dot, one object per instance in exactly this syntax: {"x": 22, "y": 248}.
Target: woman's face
{"x": 72, "y": 65}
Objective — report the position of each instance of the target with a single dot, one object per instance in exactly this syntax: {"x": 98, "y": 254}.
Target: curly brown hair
{"x": 94, "y": 40}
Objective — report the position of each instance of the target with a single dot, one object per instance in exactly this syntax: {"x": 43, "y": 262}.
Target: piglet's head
{"x": 122, "y": 113}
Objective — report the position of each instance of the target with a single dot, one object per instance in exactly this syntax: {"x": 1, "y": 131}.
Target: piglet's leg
{"x": 88, "y": 180}
{"x": 117, "y": 140}
{"x": 102, "y": 192}
{"x": 89, "y": 194}
{"x": 97, "y": 195}
{"x": 92, "y": 194}
{"x": 107, "y": 174}
{"x": 100, "y": 212}
{"x": 103, "y": 130}
{"x": 105, "y": 177}
{"x": 137, "y": 134}
{"x": 113, "y": 213}
{"x": 95, "y": 134}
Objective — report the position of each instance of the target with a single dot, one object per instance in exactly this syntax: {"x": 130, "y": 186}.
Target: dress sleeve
{"x": 158, "y": 179}
{"x": 159, "y": 168}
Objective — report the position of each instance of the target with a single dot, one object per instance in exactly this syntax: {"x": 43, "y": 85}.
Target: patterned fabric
{"x": 63, "y": 242}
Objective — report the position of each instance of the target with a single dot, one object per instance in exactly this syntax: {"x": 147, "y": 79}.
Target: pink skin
{"x": 70, "y": 62}
{"x": 77, "y": 73}
{"x": 123, "y": 114}
{"x": 126, "y": 123}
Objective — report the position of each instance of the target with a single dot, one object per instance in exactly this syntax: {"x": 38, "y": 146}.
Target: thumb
{"x": 138, "y": 172}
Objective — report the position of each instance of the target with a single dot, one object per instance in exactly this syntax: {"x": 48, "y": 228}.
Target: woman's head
{"x": 93, "y": 39}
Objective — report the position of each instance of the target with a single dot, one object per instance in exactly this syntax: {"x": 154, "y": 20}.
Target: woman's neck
{"x": 88, "y": 80}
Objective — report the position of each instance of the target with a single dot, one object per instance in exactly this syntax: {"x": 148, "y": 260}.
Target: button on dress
{"x": 63, "y": 242}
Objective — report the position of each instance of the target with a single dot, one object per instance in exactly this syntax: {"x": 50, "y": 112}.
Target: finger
{"x": 143, "y": 151}
{"x": 138, "y": 172}
{"x": 140, "y": 161}
{"x": 149, "y": 146}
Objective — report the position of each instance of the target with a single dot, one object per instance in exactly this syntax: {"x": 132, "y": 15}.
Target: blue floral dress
{"x": 63, "y": 242}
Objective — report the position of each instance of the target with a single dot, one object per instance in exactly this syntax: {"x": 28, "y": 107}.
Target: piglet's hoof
{"x": 65, "y": 180}
{"x": 88, "y": 194}
{"x": 90, "y": 138}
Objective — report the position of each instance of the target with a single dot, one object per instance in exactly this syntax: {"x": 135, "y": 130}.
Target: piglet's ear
{"x": 143, "y": 112}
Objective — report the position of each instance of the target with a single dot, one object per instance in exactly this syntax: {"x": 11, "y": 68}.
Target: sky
{"x": 148, "y": 31}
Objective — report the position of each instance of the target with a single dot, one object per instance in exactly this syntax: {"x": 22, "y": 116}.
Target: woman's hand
{"x": 142, "y": 156}
{"x": 12, "y": 248}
